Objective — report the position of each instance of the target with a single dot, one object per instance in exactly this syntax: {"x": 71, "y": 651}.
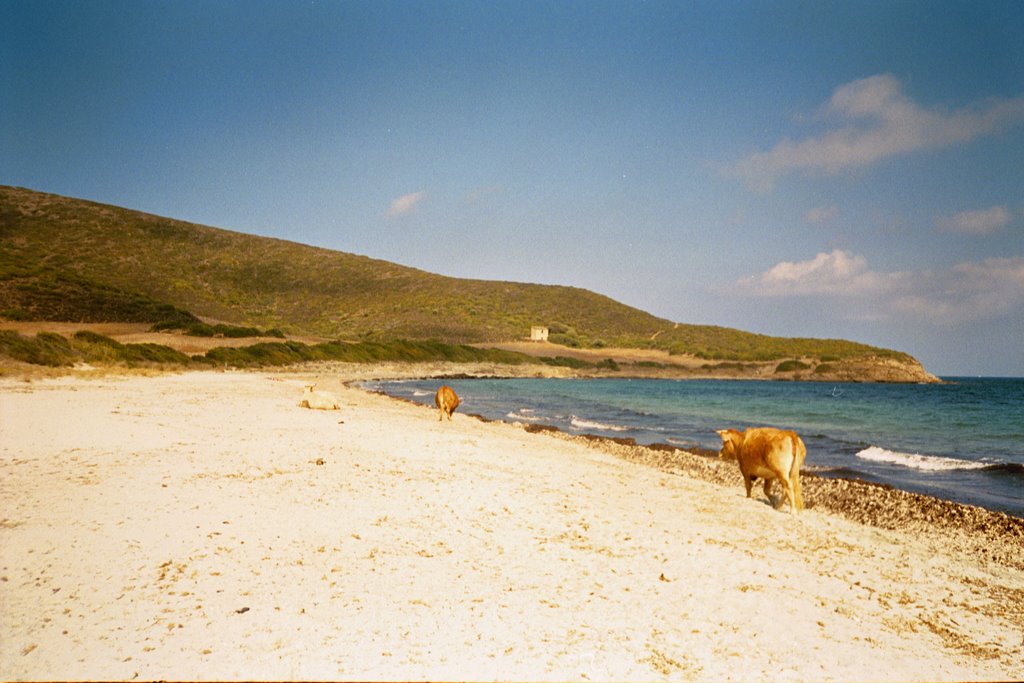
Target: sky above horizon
{"x": 804, "y": 169}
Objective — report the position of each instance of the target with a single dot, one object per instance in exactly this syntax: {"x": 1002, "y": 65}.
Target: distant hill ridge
{"x": 77, "y": 260}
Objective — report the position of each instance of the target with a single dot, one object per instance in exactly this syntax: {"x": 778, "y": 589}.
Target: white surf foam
{"x": 580, "y": 423}
{"x": 927, "y": 463}
{"x": 524, "y": 414}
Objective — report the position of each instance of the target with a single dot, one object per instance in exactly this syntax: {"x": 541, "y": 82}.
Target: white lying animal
{"x": 318, "y": 400}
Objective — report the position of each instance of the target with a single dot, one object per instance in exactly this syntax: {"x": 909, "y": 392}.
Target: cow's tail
{"x": 799, "y": 453}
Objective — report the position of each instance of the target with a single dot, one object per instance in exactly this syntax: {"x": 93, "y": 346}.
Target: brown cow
{"x": 768, "y": 453}
{"x": 446, "y": 402}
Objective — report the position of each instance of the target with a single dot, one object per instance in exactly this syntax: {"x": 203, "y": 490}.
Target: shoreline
{"x": 908, "y": 498}
{"x": 202, "y": 526}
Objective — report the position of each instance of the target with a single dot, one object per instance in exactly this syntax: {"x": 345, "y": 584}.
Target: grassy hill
{"x": 76, "y": 260}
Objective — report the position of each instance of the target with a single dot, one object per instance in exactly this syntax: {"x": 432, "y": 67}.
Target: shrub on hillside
{"x": 201, "y": 329}
{"x": 97, "y": 348}
{"x": 15, "y": 315}
{"x": 791, "y": 366}
{"x": 572, "y": 341}
{"x": 46, "y": 348}
{"x": 566, "y": 362}
{"x": 286, "y": 353}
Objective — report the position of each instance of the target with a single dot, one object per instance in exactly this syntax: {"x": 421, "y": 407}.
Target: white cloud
{"x": 879, "y": 121}
{"x": 968, "y": 291}
{"x": 835, "y": 273}
{"x": 405, "y": 204}
{"x": 821, "y": 215}
{"x": 980, "y": 222}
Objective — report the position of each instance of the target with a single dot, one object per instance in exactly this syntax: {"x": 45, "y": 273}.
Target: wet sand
{"x": 203, "y": 526}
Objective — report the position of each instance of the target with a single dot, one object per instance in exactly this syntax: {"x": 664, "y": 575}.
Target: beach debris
{"x": 241, "y": 610}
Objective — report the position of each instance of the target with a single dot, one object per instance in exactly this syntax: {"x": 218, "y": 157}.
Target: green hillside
{"x": 75, "y": 260}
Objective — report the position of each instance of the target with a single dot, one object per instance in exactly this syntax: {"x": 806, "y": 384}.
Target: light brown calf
{"x": 446, "y": 402}
{"x": 768, "y": 453}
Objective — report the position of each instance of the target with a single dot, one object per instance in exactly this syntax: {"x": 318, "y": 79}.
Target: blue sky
{"x": 817, "y": 169}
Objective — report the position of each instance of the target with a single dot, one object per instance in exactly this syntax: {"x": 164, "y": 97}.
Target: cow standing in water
{"x": 768, "y": 453}
{"x": 446, "y": 402}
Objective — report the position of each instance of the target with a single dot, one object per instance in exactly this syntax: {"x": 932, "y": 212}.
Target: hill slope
{"x": 273, "y": 283}
{"x": 76, "y": 260}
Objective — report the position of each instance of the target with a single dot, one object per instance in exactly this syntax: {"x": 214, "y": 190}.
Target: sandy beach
{"x": 204, "y": 526}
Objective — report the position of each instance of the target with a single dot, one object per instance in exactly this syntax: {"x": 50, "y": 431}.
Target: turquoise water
{"x": 962, "y": 440}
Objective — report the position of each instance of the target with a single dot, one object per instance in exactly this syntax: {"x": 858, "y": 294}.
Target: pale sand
{"x": 181, "y": 527}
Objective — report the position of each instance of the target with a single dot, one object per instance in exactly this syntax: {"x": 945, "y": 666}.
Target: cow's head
{"x": 731, "y": 440}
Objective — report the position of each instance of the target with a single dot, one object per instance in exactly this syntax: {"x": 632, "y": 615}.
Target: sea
{"x": 962, "y": 440}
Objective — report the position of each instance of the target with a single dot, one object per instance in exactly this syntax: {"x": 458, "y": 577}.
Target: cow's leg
{"x": 787, "y": 486}
{"x": 798, "y": 496}
{"x": 748, "y": 481}
{"x": 787, "y": 489}
{"x": 768, "y": 490}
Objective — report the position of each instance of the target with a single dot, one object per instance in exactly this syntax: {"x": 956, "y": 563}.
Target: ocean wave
{"x": 420, "y": 392}
{"x": 1013, "y": 468}
{"x": 926, "y": 463}
{"x": 523, "y": 414}
{"x": 580, "y": 423}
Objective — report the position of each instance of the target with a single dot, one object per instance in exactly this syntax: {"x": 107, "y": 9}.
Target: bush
{"x": 15, "y": 314}
{"x": 286, "y": 353}
{"x": 572, "y": 341}
{"x": 97, "y": 348}
{"x": 791, "y": 366}
{"x": 257, "y": 355}
{"x": 565, "y": 362}
{"x": 201, "y": 329}
{"x": 46, "y": 348}
{"x": 55, "y": 350}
